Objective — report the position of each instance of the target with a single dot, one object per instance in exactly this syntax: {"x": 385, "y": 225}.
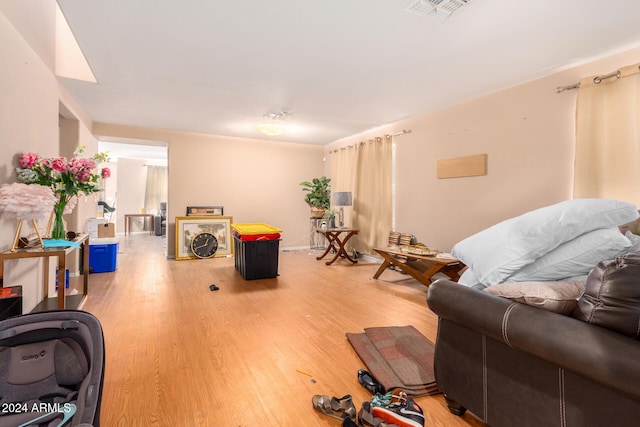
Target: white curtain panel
{"x": 607, "y": 163}
{"x": 365, "y": 169}
{"x": 156, "y": 189}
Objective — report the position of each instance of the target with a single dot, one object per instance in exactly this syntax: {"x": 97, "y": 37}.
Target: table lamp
{"x": 342, "y": 198}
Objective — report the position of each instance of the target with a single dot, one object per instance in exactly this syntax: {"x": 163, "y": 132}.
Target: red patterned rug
{"x": 399, "y": 357}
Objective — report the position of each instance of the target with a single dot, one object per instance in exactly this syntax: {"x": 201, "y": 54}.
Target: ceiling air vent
{"x": 435, "y": 9}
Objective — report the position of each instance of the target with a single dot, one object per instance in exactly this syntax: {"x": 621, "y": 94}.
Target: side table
{"x": 127, "y": 222}
{"x": 61, "y": 301}
{"x": 337, "y": 242}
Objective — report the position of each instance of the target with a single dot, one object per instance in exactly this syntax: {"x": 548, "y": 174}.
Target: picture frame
{"x": 189, "y": 226}
{"x": 205, "y": 210}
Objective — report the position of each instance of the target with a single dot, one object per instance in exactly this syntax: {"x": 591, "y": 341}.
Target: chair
{"x": 160, "y": 221}
{"x": 107, "y": 210}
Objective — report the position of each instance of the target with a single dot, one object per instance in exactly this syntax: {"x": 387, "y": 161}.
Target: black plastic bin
{"x": 256, "y": 259}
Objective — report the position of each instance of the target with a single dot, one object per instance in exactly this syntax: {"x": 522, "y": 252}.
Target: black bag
{"x": 612, "y": 296}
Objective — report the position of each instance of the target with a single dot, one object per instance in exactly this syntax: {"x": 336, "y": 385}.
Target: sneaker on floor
{"x": 369, "y": 382}
{"x": 405, "y": 413}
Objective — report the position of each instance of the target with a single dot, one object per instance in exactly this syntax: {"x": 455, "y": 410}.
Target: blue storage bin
{"x": 66, "y": 279}
{"x": 103, "y": 257}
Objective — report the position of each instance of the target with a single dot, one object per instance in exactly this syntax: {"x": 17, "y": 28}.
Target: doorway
{"x": 138, "y": 183}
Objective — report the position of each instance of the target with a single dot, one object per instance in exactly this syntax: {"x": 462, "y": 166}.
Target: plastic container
{"x": 103, "y": 255}
{"x": 248, "y": 237}
{"x": 255, "y": 228}
{"x": 66, "y": 279}
{"x": 257, "y": 259}
{"x": 10, "y": 302}
{"x": 255, "y": 231}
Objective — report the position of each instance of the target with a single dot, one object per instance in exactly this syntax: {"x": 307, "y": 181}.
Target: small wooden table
{"x": 420, "y": 267}
{"x": 337, "y": 243}
{"x": 61, "y": 300}
{"x": 127, "y": 221}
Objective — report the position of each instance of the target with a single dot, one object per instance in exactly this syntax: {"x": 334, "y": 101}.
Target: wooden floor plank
{"x": 252, "y": 353}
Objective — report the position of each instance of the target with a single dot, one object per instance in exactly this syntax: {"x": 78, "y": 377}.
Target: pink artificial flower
{"x": 59, "y": 164}
{"x": 74, "y": 166}
{"x": 91, "y": 164}
{"x": 70, "y": 177}
{"x": 47, "y": 163}
{"x": 83, "y": 175}
{"x": 88, "y": 164}
{"x": 27, "y": 160}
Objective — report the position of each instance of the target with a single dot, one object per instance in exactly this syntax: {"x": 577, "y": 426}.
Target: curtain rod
{"x": 596, "y": 80}
{"x": 403, "y": 132}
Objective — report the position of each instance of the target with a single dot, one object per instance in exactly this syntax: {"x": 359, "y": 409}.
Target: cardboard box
{"x": 106, "y": 230}
{"x": 92, "y": 226}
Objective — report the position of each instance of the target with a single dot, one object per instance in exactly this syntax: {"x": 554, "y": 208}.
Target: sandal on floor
{"x": 369, "y": 382}
{"x": 348, "y": 422}
{"x": 339, "y": 408}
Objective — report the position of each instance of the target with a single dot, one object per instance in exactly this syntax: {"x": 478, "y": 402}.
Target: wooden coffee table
{"x": 420, "y": 267}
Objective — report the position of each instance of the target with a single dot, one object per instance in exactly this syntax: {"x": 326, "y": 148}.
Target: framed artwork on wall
{"x": 205, "y": 210}
{"x": 189, "y": 226}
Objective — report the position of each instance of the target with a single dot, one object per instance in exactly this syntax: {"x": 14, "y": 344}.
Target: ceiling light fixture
{"x": 271, "y": 127}
{"x": 435, "y": 9}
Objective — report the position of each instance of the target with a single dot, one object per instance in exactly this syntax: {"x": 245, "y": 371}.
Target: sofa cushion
{"x": 497, "y": 252}
{"x": 576, "y": 257}
{"x": 558, "y": 297}
{"x": 612, "y": 296}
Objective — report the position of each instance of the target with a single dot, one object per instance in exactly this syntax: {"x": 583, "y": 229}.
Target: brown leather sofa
{"x": 514, "y": 365}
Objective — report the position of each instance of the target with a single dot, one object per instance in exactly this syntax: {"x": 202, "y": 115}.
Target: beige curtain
{"x": 607, "y": 160}
{"x": 365, "y": 170}
{"x": 156, "y": 189}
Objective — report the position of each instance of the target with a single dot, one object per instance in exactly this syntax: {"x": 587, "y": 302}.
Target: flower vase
{"x": 58, "y": 232}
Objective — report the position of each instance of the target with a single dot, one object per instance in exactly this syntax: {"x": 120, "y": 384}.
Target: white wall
{"x": 28, "y": 121}
{"x": 131, "y": 185}
{"x": 255, "y": 181}
{"x": 30, "y": 105}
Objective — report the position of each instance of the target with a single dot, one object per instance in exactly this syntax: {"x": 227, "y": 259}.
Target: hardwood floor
{"x": 252, "y": 353}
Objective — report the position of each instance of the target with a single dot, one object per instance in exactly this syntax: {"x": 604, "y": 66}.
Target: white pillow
{"x": 575, "y": 257}
{"x": 498, "y": 251}
{"x": 635, "y": 242}
{"x": 558, "y": 297}
{"x": 468, "y": 278}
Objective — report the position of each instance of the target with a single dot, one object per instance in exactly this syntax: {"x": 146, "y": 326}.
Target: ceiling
{"x": 338, "y": 67}
{"x": 153, "y": 153}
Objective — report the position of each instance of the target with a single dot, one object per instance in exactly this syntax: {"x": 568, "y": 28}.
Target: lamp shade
{"x": 342, "y": 198}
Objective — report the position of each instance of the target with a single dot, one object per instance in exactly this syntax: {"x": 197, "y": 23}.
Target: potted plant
{"x": 318, "y": 191}
{"x": 330, "y": 216}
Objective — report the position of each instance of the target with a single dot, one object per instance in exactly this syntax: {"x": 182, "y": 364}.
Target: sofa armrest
{"x": 593, "y": 352}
